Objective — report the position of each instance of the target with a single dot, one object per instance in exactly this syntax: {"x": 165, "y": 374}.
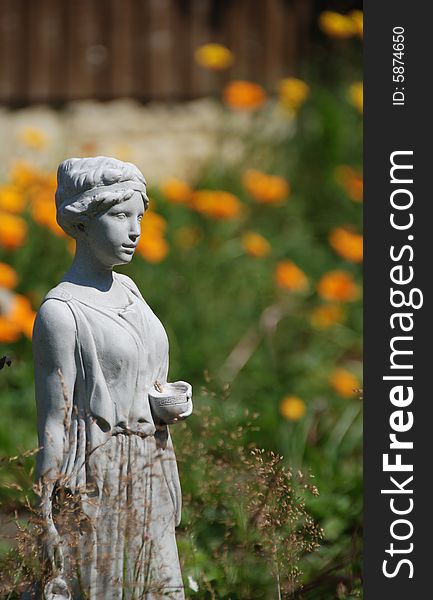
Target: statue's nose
{"x": 134, "y": 232}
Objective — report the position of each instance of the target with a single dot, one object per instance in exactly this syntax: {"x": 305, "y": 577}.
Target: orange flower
{"x": 153, "y": 248}
{"x": 292, "y": 92}
{"x": 152, "y": 245}
{"x": 11, "y": 199}
{"x": 213, "y": 56}
{"x": 344, "y": 382}
{"x": 22, "y": 315}
{"x": 292, "y": 408}
{"x": 356, "y": 95}
{"x": 89, "y": 148}
{"x": 16, "y": 316}
{"x": 351, "y": 181}
{"x": 255, "y": 244}
{"x": 187, "y": 237}
{"x": 8, "y": 331}
{"x": 23, "y": 175}
{"x": 153, "y": 224}
{"x": 176, "y": 191}
{"x": 216, "y": 204}
{"x": 325, "y": 316}
{"x": 290, "y": 277}
{"x": 8, "y": 276}
{"x": 244, "y": 95}
{"x": 71, "y": 246}
{"x": 13, "y": 231}
{"x": 336, "y": 25}
{"x": 265, "y": 189}
{"x": 338, "y": 286}
{"x": 33, "y": 137}
{"x": 44, "y": 213}
{"x": 357, "y": 18}
{"x": 347, "y": 244}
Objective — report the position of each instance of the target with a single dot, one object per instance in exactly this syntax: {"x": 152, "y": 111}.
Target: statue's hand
{"x": 188, "y": 411}
{"x": 56, "y": 589}
{"x": 53, "y": 549}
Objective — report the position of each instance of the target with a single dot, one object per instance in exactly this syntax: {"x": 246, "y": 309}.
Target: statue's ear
{"x": 80, "y": 227}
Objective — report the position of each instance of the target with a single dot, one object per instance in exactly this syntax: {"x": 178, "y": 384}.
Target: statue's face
{"x": 112, "y": 236}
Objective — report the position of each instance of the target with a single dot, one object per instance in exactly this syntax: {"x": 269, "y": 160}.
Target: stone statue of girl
{"x": 109, "y": 485}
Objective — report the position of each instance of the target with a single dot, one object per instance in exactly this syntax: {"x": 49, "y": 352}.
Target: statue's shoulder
{"x": 54, "y": 314}
{"x": 58, "y": 293}
{"x": 54, "y": 332}
{"x": 129, "y": 283}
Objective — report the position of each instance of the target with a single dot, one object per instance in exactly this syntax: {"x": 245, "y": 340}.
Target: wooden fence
{"x": 60, "y": 50}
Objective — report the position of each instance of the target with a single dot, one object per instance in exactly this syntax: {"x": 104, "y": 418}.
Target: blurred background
{"x": 245, "y": 117}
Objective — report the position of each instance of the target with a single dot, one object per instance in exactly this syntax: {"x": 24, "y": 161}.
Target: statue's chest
{"x": 126, "y": 340}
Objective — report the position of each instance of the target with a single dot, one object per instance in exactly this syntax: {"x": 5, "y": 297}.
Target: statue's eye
{"x": 140, "y": 217}
{"x": 120, "y": 215}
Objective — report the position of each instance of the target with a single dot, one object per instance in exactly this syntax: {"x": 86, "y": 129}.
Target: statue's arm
{"x": 55, "y": 373}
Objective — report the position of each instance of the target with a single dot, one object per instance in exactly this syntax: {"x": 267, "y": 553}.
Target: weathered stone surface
{"x": 110, "y": 492}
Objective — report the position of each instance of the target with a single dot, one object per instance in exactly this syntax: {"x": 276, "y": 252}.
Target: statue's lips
{"x": 129, "y": 249}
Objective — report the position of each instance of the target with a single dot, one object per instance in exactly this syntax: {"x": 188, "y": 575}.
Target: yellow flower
{"x": 356, "y": 95}
{"x": 213, "y": 56}
{"x": 216, "y": 204}
{"x": 336, "y": 25}
{"x": 255, "y": 244}
{"x": 290, "y": 277}
{"x": 153, "y": 248}
{"x": 8, "y": 276}
{"x": 33, "y": 138}
{"x": 325, "y": 316}
{"x": 344, "y": 382}
{"x": 13, "y": 231}
{"x": 357, "y": 18}
{"x": 347, "y": 244}
{"x": 292, "y": 92}
{"x": 292, "y": 408}
{"x": 11, "y": 199}
{"x": 351, "y": 180}
{"x": 176, "y": 191}
{"x": 338, "y": 286}
{"x": 244, "y": 95}
{"x": 265, "y": 189}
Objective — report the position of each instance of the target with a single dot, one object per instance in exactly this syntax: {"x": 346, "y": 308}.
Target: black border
{"x": 388, "y": 128}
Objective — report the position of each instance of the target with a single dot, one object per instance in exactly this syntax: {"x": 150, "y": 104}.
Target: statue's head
{"x": 100, "y": 202}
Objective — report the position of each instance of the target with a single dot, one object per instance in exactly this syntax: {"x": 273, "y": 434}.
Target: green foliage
{"x": 216, "y": 301}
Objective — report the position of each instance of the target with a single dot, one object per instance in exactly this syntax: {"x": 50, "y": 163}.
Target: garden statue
{"x": 106, "y": 470}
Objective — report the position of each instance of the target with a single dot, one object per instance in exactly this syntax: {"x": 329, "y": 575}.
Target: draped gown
{"x": 119, "y": 474}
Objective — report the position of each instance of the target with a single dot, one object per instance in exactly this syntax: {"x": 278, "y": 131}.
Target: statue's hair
{"x": 88, "y": 186}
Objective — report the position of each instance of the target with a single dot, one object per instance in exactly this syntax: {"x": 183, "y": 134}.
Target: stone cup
{"x": 169, "y": 400}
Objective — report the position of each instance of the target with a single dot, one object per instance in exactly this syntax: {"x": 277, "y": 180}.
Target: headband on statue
{"x": 81, "y": 202}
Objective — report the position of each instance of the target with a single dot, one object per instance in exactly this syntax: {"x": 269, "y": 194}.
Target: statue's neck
{"x": 88, "y": 271}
